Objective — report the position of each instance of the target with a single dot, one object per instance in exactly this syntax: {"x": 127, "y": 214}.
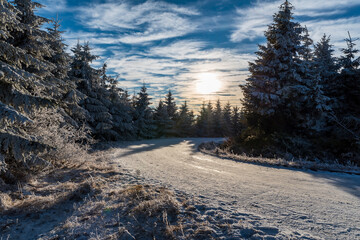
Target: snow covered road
{"x": 302, "y": 203}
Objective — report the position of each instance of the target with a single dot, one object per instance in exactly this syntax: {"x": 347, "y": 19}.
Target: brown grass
{"x": 52, "y": 187}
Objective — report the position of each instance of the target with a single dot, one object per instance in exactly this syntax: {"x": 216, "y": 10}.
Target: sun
{"x": 207, "y": 83}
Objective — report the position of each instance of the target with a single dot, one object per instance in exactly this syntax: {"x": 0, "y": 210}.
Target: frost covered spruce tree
{"x": 96, "y": 97}
{"x": 278, "y": 92}
{"x": 316, "y": 106}
{"x": 69, "y": 100}
{"x": 81, "y": 72}
{"x": 349, "y": 90}
{"x": 325, "y": 64}
{"x": 338, "y": 81}
{"x": 60, "y": 58}
{"x": 294, "y": 99}
{"x": 15, "y": 99}
{"x": 143, "y": 115}
{"x": 18, "y": 149}
{"x": 27, "y": 84}
{"x": 120, "y": 107}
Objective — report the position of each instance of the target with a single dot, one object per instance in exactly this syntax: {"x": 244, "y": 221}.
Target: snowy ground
{"x": 277, "y": 201}
{"x": 118, "y": 194}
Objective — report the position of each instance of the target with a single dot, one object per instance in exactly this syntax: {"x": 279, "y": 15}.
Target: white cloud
{"x": 176, "y": 66}
{"x": 337, "y": 28}
{"x": 144, "y": 22}
{"x": 179, "y": 50}
{"x": 322, "y": 8}
{"x": 252, "y": 21}
{"x": 53, "y": 6}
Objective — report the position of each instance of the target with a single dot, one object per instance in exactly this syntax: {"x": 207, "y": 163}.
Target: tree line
{"x": 212, "y": 121}
{"x": 300, "y": 99}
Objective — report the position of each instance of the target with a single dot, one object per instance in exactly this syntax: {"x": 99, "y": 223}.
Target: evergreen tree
{"x": 218, "y": 120}
{"x": 284, "y": 102}
{"x": 202, "y": 121}
{"x": 350, "y": 76}
{"x": 59, "y": 57}
{"x": 162, "y": 120}
{"x": 236, "y": 122}
{"x": 324, "y": 62}
{"x": 171, "y": 106}
{"x": 96, "y": 101}
{"x": 86, "y": 77}
{"x": 209, "y": 130}
{"x": 325, "y": 65}
{"x": 172, "y": 113}
{"x": 31, "y": 38}
{"x": 227, "y": 124}
{"x": 307, "y": 53}
{"x": 24, "y": 89}
{"x": 143, "y": 116}
{"x": 348, "y": 115}
{"x": 313, "y": 114}
{"x": 185, "y": 122}
{"x": 120, "y": 108}
{"x": 127, "y": 101}
{"x": 13, "y": 141}
{"x": 69, "y": 98}
{"x": 275, "y": 93}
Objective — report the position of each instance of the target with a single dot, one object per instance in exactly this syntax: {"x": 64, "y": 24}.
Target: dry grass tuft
{"x": 55, "y": 187}
{"x": 5, "y": 202}
{"x": 43, "y": 198}
{"x": 150, "y": 201}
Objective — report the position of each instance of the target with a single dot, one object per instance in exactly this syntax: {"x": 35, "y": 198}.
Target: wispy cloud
{"x": 337, "y": 28}
{"x": 53, "y": 6}
{"x": 140, "y": 23}
{"x": 177, "y": 66}
{"x": 252, "y": 21}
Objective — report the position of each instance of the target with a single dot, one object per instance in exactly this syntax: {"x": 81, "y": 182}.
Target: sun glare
{"x": 207, "y": 83}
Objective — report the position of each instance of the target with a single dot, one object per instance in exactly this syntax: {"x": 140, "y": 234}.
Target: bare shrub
{"x": 64, "y": 139}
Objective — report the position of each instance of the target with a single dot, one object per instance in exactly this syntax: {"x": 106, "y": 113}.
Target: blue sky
{"x": 173, "y": 44}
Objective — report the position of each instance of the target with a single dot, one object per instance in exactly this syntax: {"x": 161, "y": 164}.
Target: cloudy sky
{"x": 199, "y": 49}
